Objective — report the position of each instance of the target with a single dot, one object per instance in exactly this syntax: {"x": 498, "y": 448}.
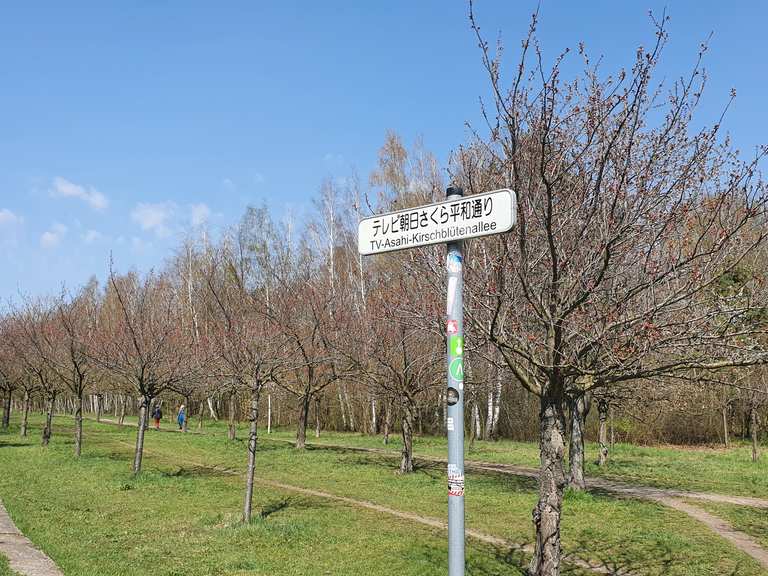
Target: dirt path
{"x": 410, "y": 516}
{"x": 739, "y": 539}
{"x": 666, "y": 497}
{"x": 616, "y": 487}
{"x": 22, "y": 556}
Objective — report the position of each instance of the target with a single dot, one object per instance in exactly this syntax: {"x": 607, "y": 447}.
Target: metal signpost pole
{"x": 455, "y": 401}
{"x": 450, "y": 222}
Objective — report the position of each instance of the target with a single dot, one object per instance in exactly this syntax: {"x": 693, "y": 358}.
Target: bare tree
{"x": 243, "y": 332}
{"x": 142, "y": 342}
{"x": 67, "y": 350}
{"x": 35, "y": 326}
{"x": 622, "y": 227}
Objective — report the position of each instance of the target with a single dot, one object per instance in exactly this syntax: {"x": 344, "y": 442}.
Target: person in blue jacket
{"x": 181, "y": 417}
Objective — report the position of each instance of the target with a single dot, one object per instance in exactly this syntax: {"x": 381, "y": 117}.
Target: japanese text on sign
{"x": 479, "y": 215}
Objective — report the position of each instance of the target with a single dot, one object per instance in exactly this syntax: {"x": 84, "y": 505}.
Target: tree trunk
{"x": 494, "y": 425}
{"x": 602, "y": 432}
{"x": 478, "y": 423}
{"x": 211, "y": 410}
{"x": 374, "y": 422}
{"x": 406, "y": 460}
{"x": 269, "y": 413}
{"x": 726, "y": 438}
{"x": 753, "y": 432}
{"x": 48, "y": 428}
{"x": 343, "y": 410}
{"x": 25, "y": 416}
{"x": 97, "y": 400}
{"x": 200, "y": 415}
{"x": 139, "y": 452}
{"x": 387, "y": 421}
{"x": 474, "y": 426}
{"x": 488, "y": 414}
{"x": 579, "y": 408}
{"x": 301, "y": 432}
{"x": 613, "y": 429}
{"x": 552, "y": 481}
{"x": 79, "y": 425}
{"x": 317, "y": 416}
{"x": 7, "y": 410}
{"x": 231, "y": 423}
{"x": 350, "y": 412}
{"x": 121, "y": 420}
{"x": 253, "y": 418}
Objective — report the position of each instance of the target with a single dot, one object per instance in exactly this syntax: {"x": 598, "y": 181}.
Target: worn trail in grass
{"x": 726, "y": 471}
{"x": 716, "y": 470}
{"x": 642, "y": 537}
{"x": 667, "y": 497}
{"x": 94, "y": 518}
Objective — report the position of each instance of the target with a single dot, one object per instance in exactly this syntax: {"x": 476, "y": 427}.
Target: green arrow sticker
{"x": 456, "y": 369}
{"x": 457, "y": 345}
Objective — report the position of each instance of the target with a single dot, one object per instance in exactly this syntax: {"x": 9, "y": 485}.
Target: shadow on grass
{"x": 273, "y": 507}
{"x": 617, "y": 561}
{"x": 14, "y": 444}
{"x": 200, "y": 472}
{"x": 434, "y": 470}
{"x": 614, "y": 560}
{"x": 513, "y": 561}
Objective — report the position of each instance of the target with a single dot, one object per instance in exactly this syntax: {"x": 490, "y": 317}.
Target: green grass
{"x": 5, "y": 570}
{"x": 93, "y": 518}
{"x": 720, "y": 470}
{"x": 704, "y": 469}
{"x": 752, "y": 521}
{"x": 181, "y": 515}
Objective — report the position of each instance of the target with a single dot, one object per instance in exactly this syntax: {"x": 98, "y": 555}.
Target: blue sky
{"x": 123, "y": 123}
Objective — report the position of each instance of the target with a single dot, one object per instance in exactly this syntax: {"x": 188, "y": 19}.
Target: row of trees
{"x": 635, "y": 274}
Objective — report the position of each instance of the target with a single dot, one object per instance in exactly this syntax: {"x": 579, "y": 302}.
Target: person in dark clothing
{"x": 157, "y": 415}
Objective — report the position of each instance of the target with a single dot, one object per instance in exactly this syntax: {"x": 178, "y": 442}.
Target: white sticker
{"x": 455, "y": 481}
{"x": 452, "y": 281}
{"x": 454, "y": 263}
{"x": 461, "y": 384}
{"x": 449, "y": 424}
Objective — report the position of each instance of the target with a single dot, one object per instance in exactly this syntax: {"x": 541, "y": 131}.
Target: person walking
{"x": 157, "y": 415}
{"x": 181, "y": 417}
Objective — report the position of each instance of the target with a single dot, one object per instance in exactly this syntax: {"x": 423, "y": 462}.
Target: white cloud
{"x": 200, "y": 213}
{"x": 52, "y": 238}
{"x": 10, "y": 228}
{"x": 8, "y": 218}
{"x": 92, "y": 236}
{"x": 154, "y": 217}
{"x": 63, "y": 188}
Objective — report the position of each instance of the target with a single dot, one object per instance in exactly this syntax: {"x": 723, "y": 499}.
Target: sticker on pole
{"x": 455, "y": 481}
{"x": 456, "y": 369}
{"x": 452, "y": 327}
{"x": 456, "y": 345}
{"x": 447, "y": 221}
{"x": 454, "y": 263}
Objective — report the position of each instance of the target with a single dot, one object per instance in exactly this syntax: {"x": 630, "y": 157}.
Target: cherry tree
{"x": 625, "y": 217}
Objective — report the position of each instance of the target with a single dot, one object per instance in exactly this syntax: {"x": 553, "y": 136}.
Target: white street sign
{"x": 455, "y": 219}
